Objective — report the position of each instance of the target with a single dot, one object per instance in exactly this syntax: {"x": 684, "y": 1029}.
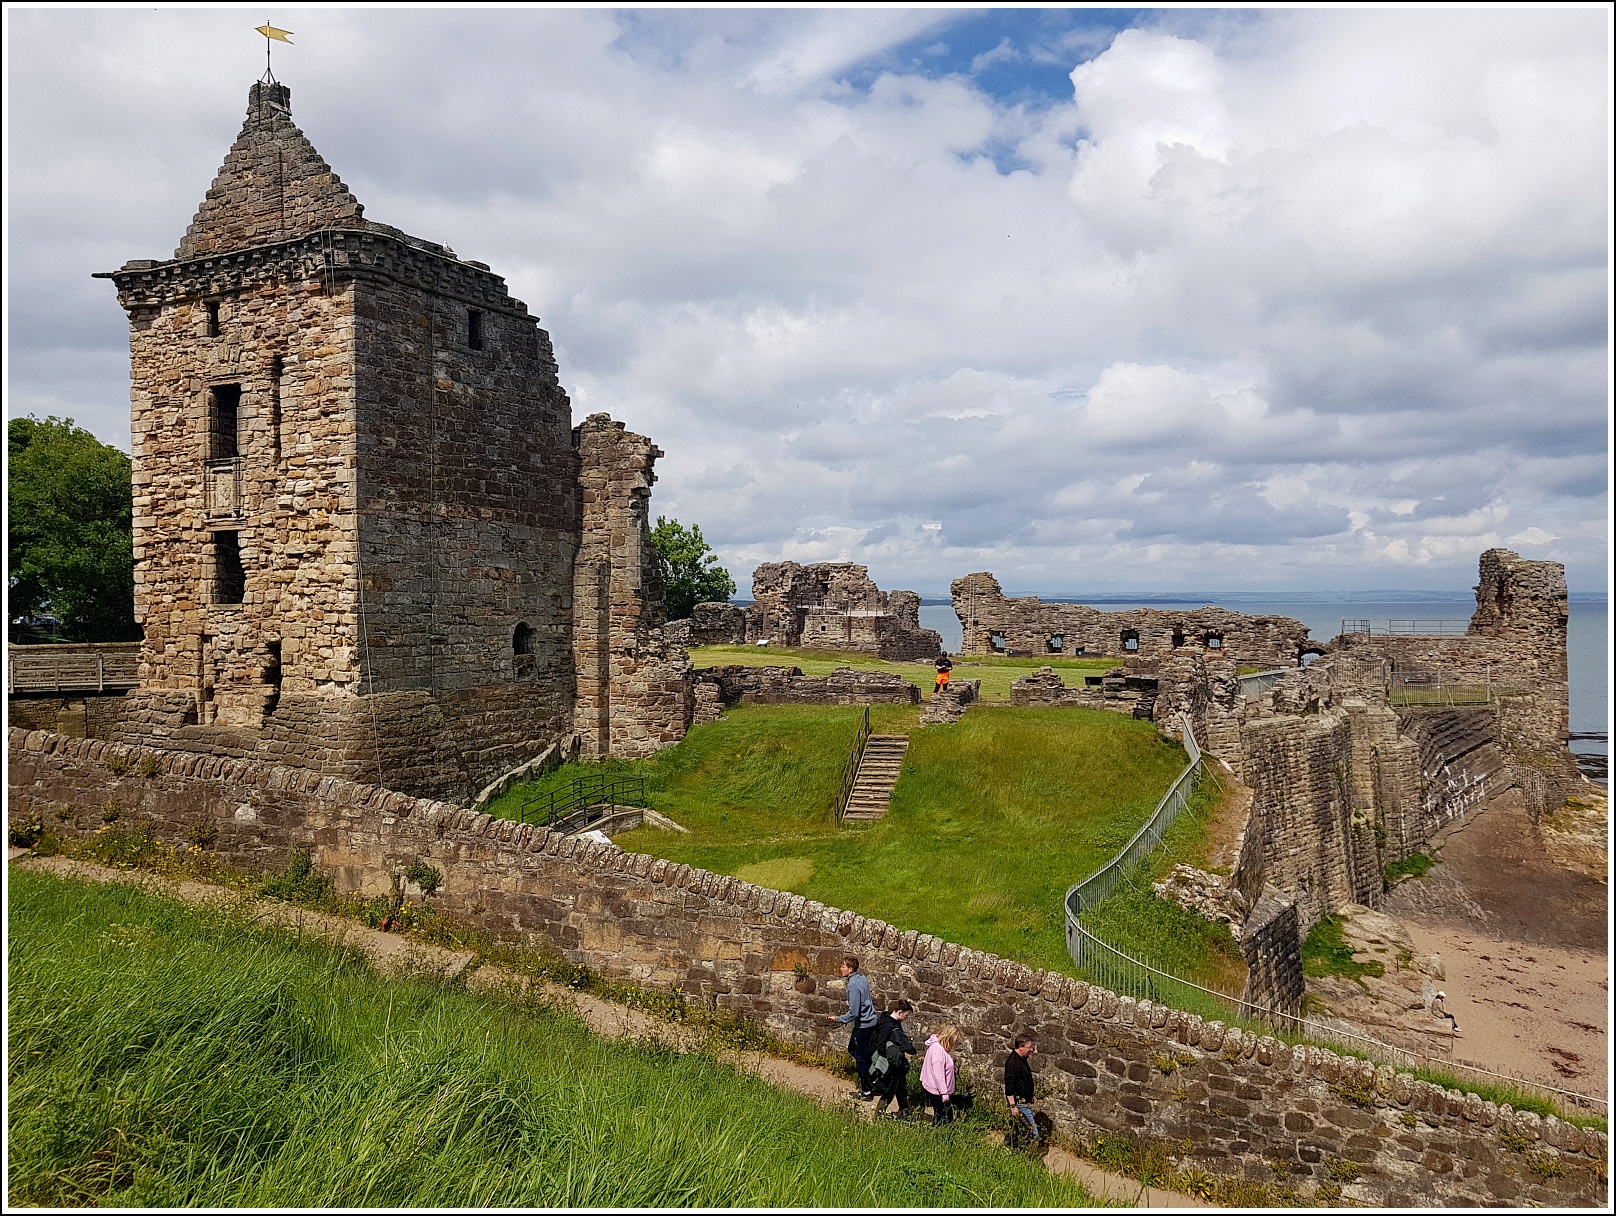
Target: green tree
{"x": 69, "y": 552}
{"x": 689, "y": 567}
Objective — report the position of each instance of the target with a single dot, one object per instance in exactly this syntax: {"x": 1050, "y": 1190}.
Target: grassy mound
{"x": 993, "y": 818}
{"x": 162, "y": 1056}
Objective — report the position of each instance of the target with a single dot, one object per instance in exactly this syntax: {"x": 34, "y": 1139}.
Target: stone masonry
{"x": 633, "y": 683}
{"x": 1209, "y": 1095}
{"x": 835, "y": 606}
{"x": 994, "y": 624}
{"x": 357, "y": 508}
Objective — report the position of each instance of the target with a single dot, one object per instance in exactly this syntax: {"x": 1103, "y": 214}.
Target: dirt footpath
{"x": 1523, "y": 941}
{"x": 394, "y": 955}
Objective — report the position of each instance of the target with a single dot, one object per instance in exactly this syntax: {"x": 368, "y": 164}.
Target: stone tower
{"x": 357, "y": 509}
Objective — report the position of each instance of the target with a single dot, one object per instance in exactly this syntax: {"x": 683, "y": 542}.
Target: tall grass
{"x": 162, "y": 1056}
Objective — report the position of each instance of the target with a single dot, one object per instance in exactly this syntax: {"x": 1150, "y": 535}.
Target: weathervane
{"x": 271, "y": 35}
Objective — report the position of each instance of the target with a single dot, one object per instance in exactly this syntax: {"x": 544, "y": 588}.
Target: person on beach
{"x": 861, "y": 1018}
{"x": 944, "y": 666}
{"x": 1018, "y": 1089}
{"x": 937, "y": 1073}
{"x": 891, "y": 1043}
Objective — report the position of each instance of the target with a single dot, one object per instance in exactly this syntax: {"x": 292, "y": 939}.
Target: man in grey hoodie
{"x": 861, "y": 1018}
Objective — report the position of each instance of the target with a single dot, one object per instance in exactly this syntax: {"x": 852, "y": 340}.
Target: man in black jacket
{"x": 1018, "y": 1089}
{"x": 891, "y": 1043}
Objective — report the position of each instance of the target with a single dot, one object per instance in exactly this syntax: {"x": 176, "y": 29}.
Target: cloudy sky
{"x": 1094, "y": 299}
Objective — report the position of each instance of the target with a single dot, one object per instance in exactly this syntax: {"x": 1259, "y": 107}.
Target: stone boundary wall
{"x": 1214, "y": 1096}
{"x": 788, "y": 686}
{"x": 1132, "y": 695}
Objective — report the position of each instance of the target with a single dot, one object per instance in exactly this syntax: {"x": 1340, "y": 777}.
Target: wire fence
{"x": 1126, "y": 975}
{"x": 1098, "y": 885}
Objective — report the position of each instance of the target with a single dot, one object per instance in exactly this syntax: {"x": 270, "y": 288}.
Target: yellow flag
{"x": 269, "y": 31}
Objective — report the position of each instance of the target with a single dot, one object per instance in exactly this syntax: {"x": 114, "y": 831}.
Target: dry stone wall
{"x": 1230, "y": 1101}
{"x": 993, "y": 624}
{"x": 1117, "y": 691}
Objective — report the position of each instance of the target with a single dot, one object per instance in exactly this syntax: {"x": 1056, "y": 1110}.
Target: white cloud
{"x": 1297, "y": 297}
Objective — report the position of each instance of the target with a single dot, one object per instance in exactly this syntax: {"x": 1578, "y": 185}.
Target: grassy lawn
{"x": 992, "y": 820}
{"x": 996, "y": 674}
{"x": 162, "y": 1056}
{"x": 1158, "y": 931}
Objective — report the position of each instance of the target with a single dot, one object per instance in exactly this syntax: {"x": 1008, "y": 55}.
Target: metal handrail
{"x": 589, "y": 791}
{"x": 1122, "y": 973}
{"x": 1258, "y": 682}
{"x": 850, "y": 770}
{"x": 1090, "y": 891}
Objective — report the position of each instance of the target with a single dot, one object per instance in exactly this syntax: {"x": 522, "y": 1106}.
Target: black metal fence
{"x": 586, "y": 801}
{"x": 851, "y": 768}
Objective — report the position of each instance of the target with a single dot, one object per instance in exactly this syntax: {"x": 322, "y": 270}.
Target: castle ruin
{"x": 368, "y": 539}
{"x": 825, "y": 606}
{"x": 996, "y": 624}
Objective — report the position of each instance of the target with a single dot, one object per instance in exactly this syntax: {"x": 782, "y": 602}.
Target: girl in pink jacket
{"x": 937, "y": 1073}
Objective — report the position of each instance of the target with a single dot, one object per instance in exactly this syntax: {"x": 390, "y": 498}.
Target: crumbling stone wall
{"x": 994, "y": 624}
{"x": 788, "y": 686}
{"x": 1117, "y": 691}
{"x": 716, "y": 624}
{"x": 1233, "y": 1102}
{"x": 835, "y": 606}
{"x": 633, "y": 684}
{"x": 1516, "y": 642}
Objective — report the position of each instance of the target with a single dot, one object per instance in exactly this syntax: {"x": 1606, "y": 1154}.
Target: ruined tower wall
{"x": 994, "y": 624}
{"x": 836, "y": 606}
{"x": 633, "y": 685}
{"x": 467, "y": 488}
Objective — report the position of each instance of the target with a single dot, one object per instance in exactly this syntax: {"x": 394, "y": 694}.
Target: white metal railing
{"x": 1258, "y": 682}
{"x": 1444, "y": 628}
{"x": 91, "y": 667}
{"x": 222, "y": 489}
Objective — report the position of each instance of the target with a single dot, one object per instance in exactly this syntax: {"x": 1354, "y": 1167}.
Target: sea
{"x": 1587, "y": 637}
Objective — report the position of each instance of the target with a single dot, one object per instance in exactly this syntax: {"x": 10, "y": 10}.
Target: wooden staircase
{"x": 877, "y": 774}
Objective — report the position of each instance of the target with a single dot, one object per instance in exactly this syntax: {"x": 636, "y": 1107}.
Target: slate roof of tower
{"x": 273, "y": 185}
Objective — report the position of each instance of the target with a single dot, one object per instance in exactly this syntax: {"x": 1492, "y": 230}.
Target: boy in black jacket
{"x": 1018, "y": 1088}
{"x": 891, "y": 1043}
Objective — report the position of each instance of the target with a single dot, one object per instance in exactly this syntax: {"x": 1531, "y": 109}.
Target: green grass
{"x": 1158, "y": 931}
{"x": 1415, "y": 865}
{"x": 162, "y": 1056}
{"x": 992, "y": 820}
{"x": 996, "y": 672}
{"x": 1326, "y": 952}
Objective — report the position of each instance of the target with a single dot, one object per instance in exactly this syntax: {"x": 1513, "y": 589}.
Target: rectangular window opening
{"x": 1214, "y": 641}
{"x": 224, "y": 422}
{"x": 229, "y": 575}
{"x": 474, "y": 329}
{"x": 1130, "y": 641}
{"x": 1057, "y": 644}
{"x": 213, "y": 318}
{"x": 997, "y": 642}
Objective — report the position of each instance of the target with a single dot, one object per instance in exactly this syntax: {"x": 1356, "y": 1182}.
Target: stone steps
{"x": 877, "y": 775}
